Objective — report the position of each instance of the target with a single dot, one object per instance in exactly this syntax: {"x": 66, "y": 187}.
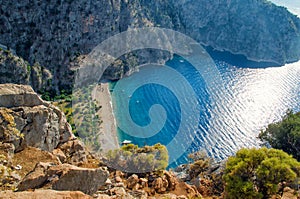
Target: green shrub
{"x": 256, "y": 173}
{"x": 284, "y": 135}
{"x": 132, "y": 159}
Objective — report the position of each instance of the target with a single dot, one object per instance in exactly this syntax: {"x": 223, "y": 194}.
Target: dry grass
{"x": 29, "y": 157}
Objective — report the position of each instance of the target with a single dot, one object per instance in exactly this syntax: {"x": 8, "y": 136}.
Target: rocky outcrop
{"x": 151, "y": 185}
{"x": 37, "y": 123}
{"x": 45, "y": 194}
{"x": 64, "y": 177}
{"x": 54, "y": 33}
{"x": 13, "y": 69}
{"x": 43, "y": 125}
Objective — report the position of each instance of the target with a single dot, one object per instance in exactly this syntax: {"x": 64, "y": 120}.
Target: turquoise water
{"x": 248, "y": 99}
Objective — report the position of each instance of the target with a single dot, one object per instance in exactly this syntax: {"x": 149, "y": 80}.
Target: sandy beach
{"x": 108, "y": 130}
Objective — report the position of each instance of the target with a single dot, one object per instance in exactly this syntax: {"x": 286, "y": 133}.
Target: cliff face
{"x": 55, "y": 32}
{"x": 14, "y": 69}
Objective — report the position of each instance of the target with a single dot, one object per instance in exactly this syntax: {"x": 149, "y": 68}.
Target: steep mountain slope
{"x": 55, "y": 32}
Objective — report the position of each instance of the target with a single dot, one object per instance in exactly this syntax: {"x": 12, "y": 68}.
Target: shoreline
{"x": 108, "y": 129}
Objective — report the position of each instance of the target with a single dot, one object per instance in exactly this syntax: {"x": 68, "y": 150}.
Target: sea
{"x": 175, "y": 106}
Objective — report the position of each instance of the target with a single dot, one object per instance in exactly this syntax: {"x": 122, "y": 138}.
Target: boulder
{"x": 45, "y": 194}
{"x": 132, "y": 181}
{"x": 75, "y": 152}
{"x": 35, "y": 179}
{"x": 60, "y": 154}
{"x": 43, "y": 125}
{"x": 64, "y": 177}
{"x": 82, "y": 179}
{"x": 172, "y": 180}
{"x": 14, "y": 95}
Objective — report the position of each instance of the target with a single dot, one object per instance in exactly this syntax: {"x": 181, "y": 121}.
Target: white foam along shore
{"x": 108, "y": 129}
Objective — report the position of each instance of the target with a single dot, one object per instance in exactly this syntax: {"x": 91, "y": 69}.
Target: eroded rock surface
{"x": 43, "y": 125}
{"x": 64, "y": 177}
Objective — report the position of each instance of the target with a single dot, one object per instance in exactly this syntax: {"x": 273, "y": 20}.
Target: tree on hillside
{"x": 256, "y": 173}
{"x": 284, "y": 135}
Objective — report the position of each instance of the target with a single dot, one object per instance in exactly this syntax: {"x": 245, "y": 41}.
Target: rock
{"x": 35, "y": 179}
{"x": 14, "y": 95}
{"x": 132, "y": 181}
{"x": 16, "y": 70}
{"x": 64, "y": 177}
{"x": 140, "y": 194}
{"x": 119, "y": 174}
{"x": 143, "y": 182}
{"x": 172, "y": 181}
{"x": 118, "y": 179}
{"x": 108, "y": 182}
{"x": 60, "y": 154}
{"x": 81, "y": 179}
{"x": 163, "y": 196}
{"x": 159, "y": 185}
{"x": 289, "y": 193}
{"x": 43, "y": 125}
{"x": 120, "y": 184}
{"x": 119, "y": 191}
{"x": 103, "y": 196}
{"x": 45, "y": 194}
{"x": 74, "y": 151}
{"x": 181, "y": 197}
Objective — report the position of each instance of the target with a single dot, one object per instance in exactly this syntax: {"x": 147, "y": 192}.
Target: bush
{"x": 284, "y": 135}
{"x": 132, "y": 159}
{"x": 256, "y": 173}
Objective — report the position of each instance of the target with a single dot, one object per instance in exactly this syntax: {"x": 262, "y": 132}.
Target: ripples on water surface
{"x": 248, "y": 100}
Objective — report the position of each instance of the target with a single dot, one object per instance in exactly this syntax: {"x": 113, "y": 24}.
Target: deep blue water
{"x": 185, "y": 117}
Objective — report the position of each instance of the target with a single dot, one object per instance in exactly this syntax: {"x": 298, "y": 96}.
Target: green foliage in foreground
{"x": 256, "y": 173}
{"x": 284, "y": 135}
{"x": 132, "y": 159}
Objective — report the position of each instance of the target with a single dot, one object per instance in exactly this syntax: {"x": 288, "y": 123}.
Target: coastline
{"x": 108, "y": 130}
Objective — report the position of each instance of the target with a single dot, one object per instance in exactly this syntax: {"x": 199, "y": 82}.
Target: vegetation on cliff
{"x": 259, "y": 173}
{"x": 285, "y": 134}
{"x": 132, "y": 159}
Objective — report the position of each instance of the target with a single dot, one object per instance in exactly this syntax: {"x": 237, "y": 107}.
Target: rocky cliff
{"x": 55, "y": 32}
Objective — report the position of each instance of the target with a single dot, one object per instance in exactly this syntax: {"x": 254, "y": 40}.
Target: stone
{"x": 103, "y": 196}
{"x": 13, "y": 95}
{"x": 36, "y": 178}
{"x": 119, "y": 191}
{"x": 132, "y": 181}
{"x": 60, "y": 154}
{"x": 118, "y": 179}
{"x": 172, "y": 181}
{"x": 45, "y": 194}
{"x": 65, "y": 177}
{"x": 140, "y": 194}
{"x": 289, "y": 193}
{"x": 74, "y": 151}
{"x": 80, "y": 179}
{"x": 120, "y": 184}
{"x": 158, "y": 185}
{"x": 143, "y": 182}
{"x": 108, "y": 182}
{"x": 43, "y": 125}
